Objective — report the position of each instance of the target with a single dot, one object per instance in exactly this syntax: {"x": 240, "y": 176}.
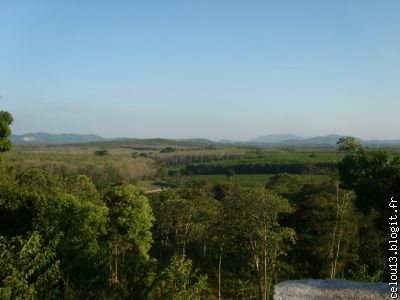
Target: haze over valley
{"x": 272, "y": 139}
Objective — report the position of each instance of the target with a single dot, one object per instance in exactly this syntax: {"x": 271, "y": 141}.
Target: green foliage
{"x": 225, "y": 189}
{"x": 362, "y": 274}
{"x": 326, "y": 223}
{"x": 162, "y": 172}
{"x": 190, "y": 156}
{"x": 272, "y": 163}
{"x": 179, "y": 282}
{"x": 131, "y": 216}
{"x": 28, "y": 269}
{"x": 83, "y": 188}
{"x": 5, "y": 121}
{"x": 348, "y": 144}
{"x": 183, "y": 216}
{"x": 242, "y": 289}
{"x": 168, "y": 150}
{"x": 230, "y": 173}
{"x": 284, "y": 184}
{"x": 8, "y": 186}
{"x": 101, "y": 152}
{"x": 246, "y": 180}
{"x": 254, "y": 215}
{"x": 80, "y": 222}
{"x": 36, "y": 186}
{"x": 23, "y": 196}
{"x": 102, "y": 170}
{"x": 80, "y": 219}
{"x": 129, "y": 240}
{"x": 375, "y": 177}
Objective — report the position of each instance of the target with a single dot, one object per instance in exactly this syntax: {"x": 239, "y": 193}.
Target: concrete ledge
{"x": 330, "y": 289}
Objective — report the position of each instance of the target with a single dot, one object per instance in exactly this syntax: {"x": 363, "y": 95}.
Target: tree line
{"x": 255, "y": 167}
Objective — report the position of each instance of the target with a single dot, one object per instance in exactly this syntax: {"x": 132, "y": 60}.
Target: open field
{"x": 177, "y": 162}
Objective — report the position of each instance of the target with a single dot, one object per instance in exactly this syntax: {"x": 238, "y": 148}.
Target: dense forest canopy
{"x": 87, "y": 230}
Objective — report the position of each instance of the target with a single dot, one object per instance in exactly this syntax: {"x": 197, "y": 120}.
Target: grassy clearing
{"x": 116, "y": 166}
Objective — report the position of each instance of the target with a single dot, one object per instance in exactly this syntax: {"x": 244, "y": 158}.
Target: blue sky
{"x": 212, "y": 69}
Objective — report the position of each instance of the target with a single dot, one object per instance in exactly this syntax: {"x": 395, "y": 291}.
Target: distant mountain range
{"x": 295, "y": 140}
{"x": 49, "y": 138}
{"x": 272, "y": 139}
{"x": 276, "y": 138}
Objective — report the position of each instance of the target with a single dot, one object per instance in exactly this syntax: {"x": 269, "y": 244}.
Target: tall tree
{"x": 374, "y": 175}
{"x": 131, "y": 219}
{"x": 81, "y": 224}
{"x": 255, "y": 215}
{"x": 326, "y": 224}
{"x": 184, "y": 216}
{"x": 5, "y": 121}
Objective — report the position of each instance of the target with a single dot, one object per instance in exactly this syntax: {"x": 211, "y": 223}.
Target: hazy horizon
{"x": 248, "y": 139}
{"x": 210, "y": 69}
